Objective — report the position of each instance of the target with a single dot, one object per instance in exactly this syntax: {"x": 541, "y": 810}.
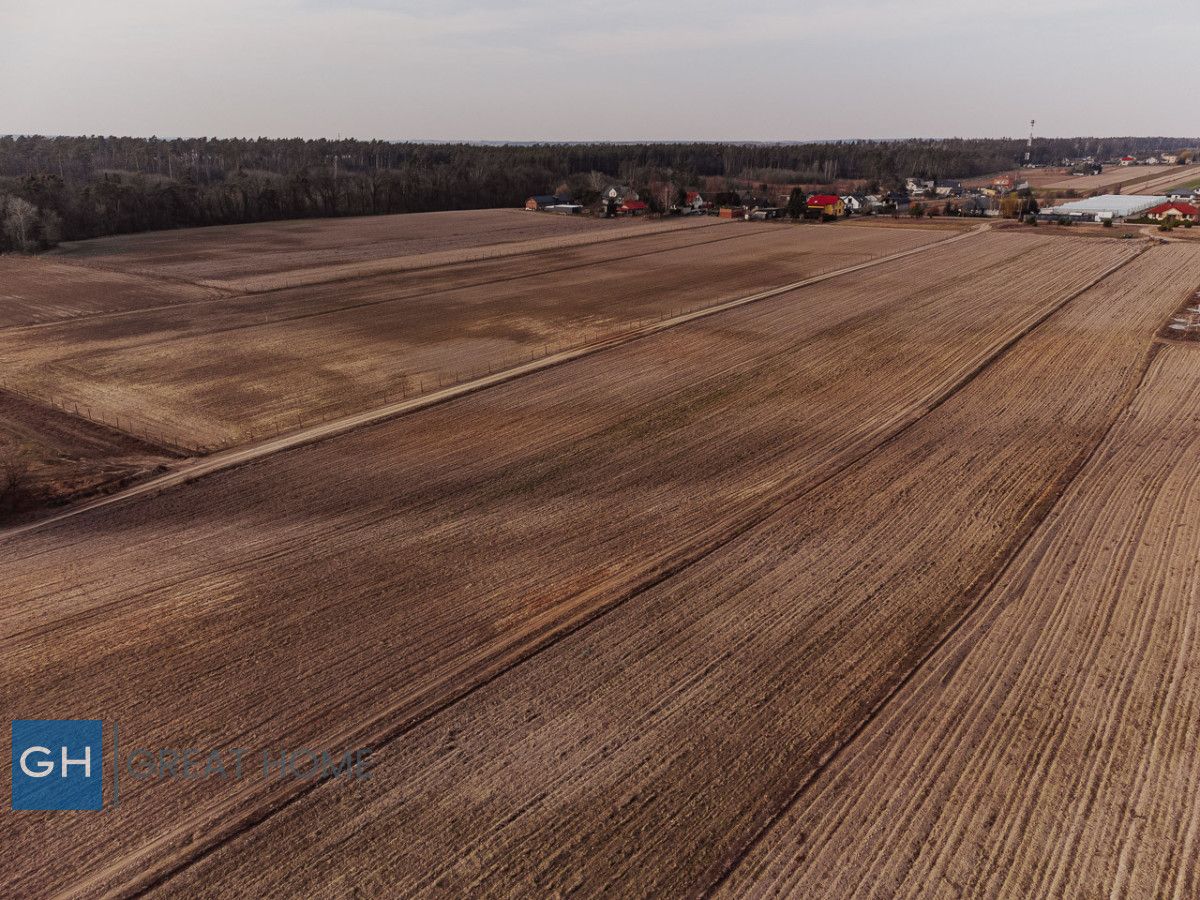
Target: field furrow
{"x": 338, "y": 592}
{"x": 1051, "y": 748}
{"x": 645, "y": 753}
{"x": 310, "y": 354}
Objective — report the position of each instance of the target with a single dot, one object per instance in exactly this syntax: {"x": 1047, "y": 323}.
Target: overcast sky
{"x": 598, "y": 69}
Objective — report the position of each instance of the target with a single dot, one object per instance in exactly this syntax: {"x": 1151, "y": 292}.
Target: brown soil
{"x": 67, "y": 457}
{"x": 781, "y": 507}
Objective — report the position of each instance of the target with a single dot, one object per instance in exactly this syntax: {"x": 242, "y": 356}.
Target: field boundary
{"x": 239, "y": 456}
{"x": 155, "y": 436}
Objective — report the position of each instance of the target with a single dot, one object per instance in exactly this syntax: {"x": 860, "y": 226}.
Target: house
{"x": 542, "y": 201}
{"x": 633, "y": 208}
{"x": 1169, "y": 159}
{"x": 919, "y": 185}
{"x": 948, "y": 188}
{"x": 858, "y": 204}
{"x": 828, "y": 206}
{"x": 1174, "y": 211}
{"x": 1151, "y": 160}
{"x": 1004, "y": 182}
{"x": 1183, "y": 193}
{"x": 1128, "y": 160}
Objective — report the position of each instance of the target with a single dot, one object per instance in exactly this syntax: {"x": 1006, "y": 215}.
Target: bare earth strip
{"x": 333, "y": 595}
{"x": 642, "y": 754}
{"x": 1052, "y": 748}
{"x": 1138, "y": 179}
{"x": 36, "y": 289}
{"x": 269, "y": 255}
{"x": 220, "y": 373}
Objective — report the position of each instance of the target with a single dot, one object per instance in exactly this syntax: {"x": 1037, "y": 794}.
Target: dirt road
{"x": 191, "y": 470}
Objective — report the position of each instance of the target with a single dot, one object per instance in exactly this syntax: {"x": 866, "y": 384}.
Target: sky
{"x": 597, "y": 69}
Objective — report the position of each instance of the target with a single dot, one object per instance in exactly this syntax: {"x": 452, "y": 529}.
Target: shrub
{"x": 15, "y": 464}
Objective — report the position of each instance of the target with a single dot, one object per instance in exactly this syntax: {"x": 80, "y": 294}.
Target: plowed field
{"x": 881, "y": 586}
{"x": 217, "y": 372}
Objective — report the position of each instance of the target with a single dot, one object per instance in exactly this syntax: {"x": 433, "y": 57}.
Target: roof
{"x": 693, "y": 195}
{"x": 1120, "y": 205}
{"x": 824, "y": 200}
{"x": 634, "y": 204}
{"x": 1185, "y": 208}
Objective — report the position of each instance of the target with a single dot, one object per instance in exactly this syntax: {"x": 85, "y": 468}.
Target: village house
{"x": 633, "y": 208}
{"x": 857, "y": 204}
{"x": 694, "y": 203}
{"x": 1177, "y": 211}
{"x": 826, "y": 206}
{"x": 1128, "y": 160}
{"x": 918, "y": 185}
{"x": 544, "y": 201}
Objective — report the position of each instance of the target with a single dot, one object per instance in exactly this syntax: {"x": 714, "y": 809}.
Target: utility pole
{"x": 1029, "y": 146}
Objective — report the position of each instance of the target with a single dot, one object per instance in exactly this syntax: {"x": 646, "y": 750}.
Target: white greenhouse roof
{"x": 1120, "y": 205}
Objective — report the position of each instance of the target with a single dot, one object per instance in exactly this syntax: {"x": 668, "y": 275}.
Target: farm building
{"x": 1177, "y": 210}
{"x": 542, "y": 201}
{"x": 1128, "y": 160}
{"x": 733, "y": 212}
{"x": 1097, "y": 209}
{"x": 633, "y": 208}
{"x": 826, "y": 205}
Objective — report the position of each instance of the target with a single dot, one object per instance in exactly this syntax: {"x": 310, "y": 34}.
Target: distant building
{"x": 1098, "y": 209}
{"x": 1169, "y": 159}
{"x": 1184, "y": 193}
{"x": 919, "y": 185}
{"x": 1128, "y": 160}
{"x": 542, "y": 201}
{"x": 1177, "y": 211}
{"x": 633, "y": 208}
{"x": 1004, "y": 182}
{"x": 948, "y": 188}
{"x": 732, "y": 212}
{"x": 826, "y": 206}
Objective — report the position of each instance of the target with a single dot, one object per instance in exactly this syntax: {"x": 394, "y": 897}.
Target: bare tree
{"x": 20, "y": 216}
{"x": 15, "y": 464}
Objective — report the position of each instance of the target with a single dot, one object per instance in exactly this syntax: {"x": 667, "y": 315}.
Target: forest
{"x": 70, "y": 188}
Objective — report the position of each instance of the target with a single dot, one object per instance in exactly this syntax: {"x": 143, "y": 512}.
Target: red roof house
{"x": 634, "y": 207}
{"x": 1176, "y": 210}
{"x": 827, "y": 205}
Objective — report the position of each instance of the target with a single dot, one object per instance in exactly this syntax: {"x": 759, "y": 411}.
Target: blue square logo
{"x": 57, "y": 764}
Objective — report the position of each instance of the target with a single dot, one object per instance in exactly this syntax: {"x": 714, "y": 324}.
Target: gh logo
{"x": 56, "y": 764}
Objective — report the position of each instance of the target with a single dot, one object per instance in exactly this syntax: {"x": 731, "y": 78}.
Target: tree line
{"x": 71, "y": 188}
